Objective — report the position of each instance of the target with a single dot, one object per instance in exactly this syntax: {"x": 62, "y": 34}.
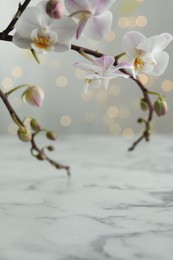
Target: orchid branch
{"x": 4, "y": 35}
{"x": 34, "y": 146}
{"x": 146, "y": 133}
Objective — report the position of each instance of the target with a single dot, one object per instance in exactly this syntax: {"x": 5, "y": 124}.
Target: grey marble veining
{"x": 116, "y": 205}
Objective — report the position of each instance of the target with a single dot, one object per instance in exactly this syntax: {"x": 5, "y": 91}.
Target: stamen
{"x": 138, "y": 62}
{"x": 43, "y": 40}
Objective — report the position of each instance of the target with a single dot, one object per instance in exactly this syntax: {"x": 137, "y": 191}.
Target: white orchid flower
{"x": 36, "y": 30}
{"x": 94, "y": 17}
{"x": 147, "y": 54}
{"x": 102, "y": 70}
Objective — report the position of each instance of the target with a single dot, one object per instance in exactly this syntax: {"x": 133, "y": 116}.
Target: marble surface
{"x": 116, "y": 205}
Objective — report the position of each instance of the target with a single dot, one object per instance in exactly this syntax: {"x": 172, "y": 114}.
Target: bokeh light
{"x": 65, "y": 120}
{"x": 61, "y": 81}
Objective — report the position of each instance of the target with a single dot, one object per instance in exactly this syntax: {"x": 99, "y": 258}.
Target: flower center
{"x": 43, "y": 40}
{"x": 140, "y": 63}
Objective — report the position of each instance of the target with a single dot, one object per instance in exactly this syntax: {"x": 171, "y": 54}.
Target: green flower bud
{"x": 41, "y": 156}
{"x": 51, "y": 135}
{"x": 50, "y": 148}
{"x": 143, "y": 104}
{"x": 24, "y": 134}
{"x": 160, "y": 106}
{"x": 140, "y": 120}
{"x": 35, "y": 125}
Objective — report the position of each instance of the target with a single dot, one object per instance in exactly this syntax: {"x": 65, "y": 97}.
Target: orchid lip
{"x": 43, "y": 40}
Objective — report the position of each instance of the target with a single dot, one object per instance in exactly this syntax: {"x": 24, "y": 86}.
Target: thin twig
{"x": 52, "y": 162}
{"x": 9, "y": 107}
{"x": 34, "y": 146}
{"x": 21, "y": 8}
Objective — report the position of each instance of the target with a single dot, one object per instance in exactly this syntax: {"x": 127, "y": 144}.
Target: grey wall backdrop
{"x": 66, "y": 108}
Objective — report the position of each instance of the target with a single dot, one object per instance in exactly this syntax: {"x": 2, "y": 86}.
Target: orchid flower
{"x": 36, "y": 30}
{"x": 147, "y": 54}
{"x": 102, "y": 70}
{"x": 94, "y": 17}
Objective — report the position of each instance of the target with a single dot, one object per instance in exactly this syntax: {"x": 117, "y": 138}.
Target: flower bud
{"x": 24, "y": 134}
{"x": 35, "y": 124}
{"x": 140, "y": 120}
{"x": 50, "y": 148}
{"x": 143, "y": 104}
{"x": 51, "y": 135}
{"x": 33, "y": 95}
{"x": 160, "y": 106}
{"x": 55, "y": 9}
{"x": 41, "y": 156}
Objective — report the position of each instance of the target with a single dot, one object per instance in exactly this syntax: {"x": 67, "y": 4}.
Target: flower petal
{"x": 102, "y": 5}
{"x": 117, "y": 74}
{"x": 89, "y": 67}
{"x": 45, "y": 18}
{"x": 61, "y": 47}
{"x": 155, "y": 44}
{"x": 76, "y": 5}
{"x": 131, "y": 40}
{"x": 21, "y": 42}
{"x": 105, "y": 83}
{"x": 162, "y": 60}
{"x": 98, "y": 26}
{"x": 81, "y": 25}
{"x": 64, "y": 27}
{"x": 28, "y": 21}
{"x": 105, "y": 62}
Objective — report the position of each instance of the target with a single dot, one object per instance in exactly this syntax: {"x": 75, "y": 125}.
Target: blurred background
{"x": 67, "y": 109}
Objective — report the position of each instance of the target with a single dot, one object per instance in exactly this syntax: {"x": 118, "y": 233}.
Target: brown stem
{"x": 77, "y": 48}
{"x": 52, "y": 162}
{"x": 33, "y": 143}
{"x": 146, "y": 133}
{"x": 96, "y": 54}
{"x": 9, "y": 107}
{"x": 4, "y": 35}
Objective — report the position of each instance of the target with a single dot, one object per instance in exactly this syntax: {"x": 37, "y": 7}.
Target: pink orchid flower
{"x": 95, "y": 19}
{"x": 102, "y": 70}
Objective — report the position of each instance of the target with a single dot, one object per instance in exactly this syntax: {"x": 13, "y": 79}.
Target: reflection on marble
{"x": 116, "y": 205}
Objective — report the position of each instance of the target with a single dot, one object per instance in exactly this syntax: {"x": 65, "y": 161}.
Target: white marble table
{"x": 116, "y": 205}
